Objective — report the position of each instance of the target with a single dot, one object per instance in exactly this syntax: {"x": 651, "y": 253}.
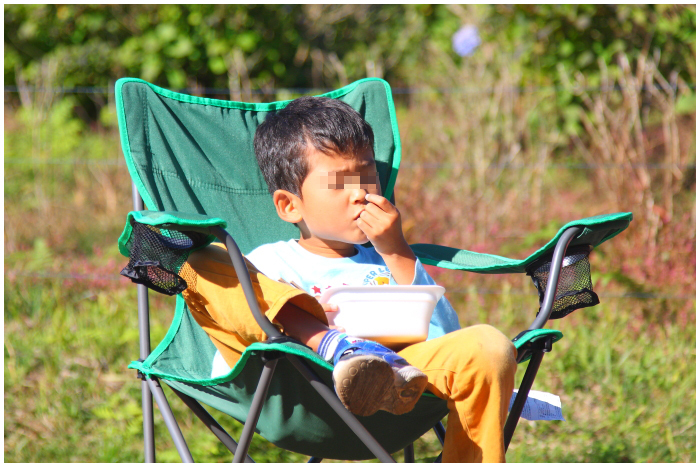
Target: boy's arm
{"x": 381, "y": 222}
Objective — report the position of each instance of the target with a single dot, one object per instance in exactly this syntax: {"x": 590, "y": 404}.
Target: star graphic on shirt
{"x": 316, "y": 289}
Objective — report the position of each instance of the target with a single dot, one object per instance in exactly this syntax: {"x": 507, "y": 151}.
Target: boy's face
{"x": 333, "y": 196}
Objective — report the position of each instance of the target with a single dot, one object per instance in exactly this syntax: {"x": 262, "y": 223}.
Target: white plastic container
{"x": 393, "y": 315}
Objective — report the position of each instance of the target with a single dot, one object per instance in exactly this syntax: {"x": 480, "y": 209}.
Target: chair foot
{"x": 408, "y": 454}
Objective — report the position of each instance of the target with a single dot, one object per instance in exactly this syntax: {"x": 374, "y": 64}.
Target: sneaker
{"x": 369, "y": 377}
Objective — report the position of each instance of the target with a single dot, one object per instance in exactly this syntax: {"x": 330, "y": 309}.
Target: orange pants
{"x": 473, "y": 369}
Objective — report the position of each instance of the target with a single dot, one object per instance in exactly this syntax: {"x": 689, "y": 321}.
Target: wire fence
{"x": 34, "y": 160}
{"x": 396, "y": 91}
{"x": 405, "y": 165}
{"x": 479, "y": 291}
{"x": 119, "y": 163}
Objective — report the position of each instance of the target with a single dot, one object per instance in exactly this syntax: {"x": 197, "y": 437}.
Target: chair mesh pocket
{"x": 575, "y": 287}
{"x": 157, "y": 254}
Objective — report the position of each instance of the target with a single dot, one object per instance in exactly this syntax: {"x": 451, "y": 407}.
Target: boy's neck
{"x": 327, "y": 248}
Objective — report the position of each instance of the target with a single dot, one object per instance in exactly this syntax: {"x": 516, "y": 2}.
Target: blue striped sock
{"x": 329, "y": 343}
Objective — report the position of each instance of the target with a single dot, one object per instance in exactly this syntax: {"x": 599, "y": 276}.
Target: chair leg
{"x": 408, "y": 454}
{"x": 332, "y": 399}
{"x": 210, "y": 422}
{"x": 521, "y": 398}
{"x": 170, "y": 421}
{"x": 440, "y": 433}
{"x": 149, "y": 445}
{"x": 255, "y": 409}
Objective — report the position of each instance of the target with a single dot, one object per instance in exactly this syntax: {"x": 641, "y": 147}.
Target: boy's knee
{"x": 491, "y": 348}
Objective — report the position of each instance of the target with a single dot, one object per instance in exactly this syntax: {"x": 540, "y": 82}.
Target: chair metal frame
{"x": 151, "y": 388}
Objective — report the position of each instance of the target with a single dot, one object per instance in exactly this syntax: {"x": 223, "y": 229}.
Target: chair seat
{"x": 294, "y": 417}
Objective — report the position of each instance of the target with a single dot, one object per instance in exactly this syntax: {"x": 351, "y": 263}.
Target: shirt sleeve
{"x": 444, "y": 317}
{"x": 266, "y": 261}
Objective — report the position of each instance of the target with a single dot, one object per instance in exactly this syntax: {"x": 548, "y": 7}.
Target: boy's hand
{"x": 328, "y": 308}
{"x": 381, "y": 222}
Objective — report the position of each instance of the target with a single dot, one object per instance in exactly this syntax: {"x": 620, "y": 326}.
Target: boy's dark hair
{"x": 281, "y": 142}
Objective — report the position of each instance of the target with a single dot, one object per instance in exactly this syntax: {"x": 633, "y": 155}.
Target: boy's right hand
{"x": 328, "y": 308}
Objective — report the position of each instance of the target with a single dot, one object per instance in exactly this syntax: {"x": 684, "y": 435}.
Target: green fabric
{"x": 597, "y": 230}
{"x": 193, "y": 154}
{"x": 162, "y": 218}
{"x": 301, "y": 421}
{"x": 532, "y": 336}
{"x": 537, "y": 334}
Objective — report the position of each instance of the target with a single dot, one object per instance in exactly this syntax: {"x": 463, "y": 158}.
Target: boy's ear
{"x": 287, "y": 205}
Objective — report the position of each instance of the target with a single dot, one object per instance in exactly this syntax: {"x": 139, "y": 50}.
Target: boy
{"x": 316, "y": 157}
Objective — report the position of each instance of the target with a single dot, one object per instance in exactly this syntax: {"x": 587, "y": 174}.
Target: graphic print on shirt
{"x": 379, "y": 277}
{"x": 316, "y": 290}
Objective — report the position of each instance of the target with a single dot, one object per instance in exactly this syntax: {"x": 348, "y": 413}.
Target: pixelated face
{"x": 349, "y": 180}
{"x": 333, "y": 195}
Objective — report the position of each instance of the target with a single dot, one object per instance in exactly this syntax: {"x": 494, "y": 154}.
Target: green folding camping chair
{"x": 192, "y": 163}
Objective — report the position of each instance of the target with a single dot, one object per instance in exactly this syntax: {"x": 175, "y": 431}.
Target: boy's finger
{"x": 380, "y": 201}
{"x": 372, "y": 212}
{"x": 365, "y": 226}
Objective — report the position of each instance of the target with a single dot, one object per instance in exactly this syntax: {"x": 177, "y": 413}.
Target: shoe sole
{"x": 409, "y": 384}
{"x": 367, "y": 383}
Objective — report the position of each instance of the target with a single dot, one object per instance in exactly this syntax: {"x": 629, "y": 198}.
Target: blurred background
{"x": 514, "y": 121}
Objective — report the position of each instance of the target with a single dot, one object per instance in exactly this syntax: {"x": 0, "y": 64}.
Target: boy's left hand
{"x": 381, "y": 222}
{"x": 328, "y": 308}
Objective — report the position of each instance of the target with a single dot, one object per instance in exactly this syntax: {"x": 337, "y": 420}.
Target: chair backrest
{"x": 194, "y": 154}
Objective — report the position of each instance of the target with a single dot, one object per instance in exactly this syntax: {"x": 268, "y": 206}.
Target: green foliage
{"x": 70, "y": 398}
{"x": 550, "y": 40}
{"x": 176, "y": 45}
{"x": 241, "y": 48}
{"x": 180, "y": 45}
{"x": 70, "y": 328}
{"x": 545, "y": 37}
{"x": 620, "y": 384}
{"x": 53, "y": 164}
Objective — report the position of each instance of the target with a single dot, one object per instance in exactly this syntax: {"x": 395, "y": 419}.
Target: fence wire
{"x": 405, "y": 165}
{"x": 479, "y": 291}
{"x": 411, "y": 166}
{"x": 395, "y": 91}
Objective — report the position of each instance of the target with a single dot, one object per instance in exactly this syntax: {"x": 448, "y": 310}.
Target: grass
{"x": 625, "y": 369}
{"x": 69, "y": 397}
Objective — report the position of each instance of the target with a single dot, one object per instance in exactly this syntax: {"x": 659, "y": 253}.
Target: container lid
{"x": 383, "y": 292}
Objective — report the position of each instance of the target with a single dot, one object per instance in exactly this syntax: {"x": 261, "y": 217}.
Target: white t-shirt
{"x": 314, "y": 273}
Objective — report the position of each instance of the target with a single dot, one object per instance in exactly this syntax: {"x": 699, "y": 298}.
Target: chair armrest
{"x": 554, "y": 270}
{"x": 159, "y": 242}
{"x": 595, "y": 230}
{"x": 172, "y": 220}
{"x": 581, "y": 235}
{"x": 244, "y": 278}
